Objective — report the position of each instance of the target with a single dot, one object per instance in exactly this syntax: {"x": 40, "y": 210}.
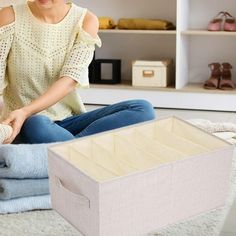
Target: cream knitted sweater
{"x": 33, "y": 55}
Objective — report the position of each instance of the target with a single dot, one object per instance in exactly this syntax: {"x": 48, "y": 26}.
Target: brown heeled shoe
{"x": 213, "y": 81}
{"x": 226, "y": 82}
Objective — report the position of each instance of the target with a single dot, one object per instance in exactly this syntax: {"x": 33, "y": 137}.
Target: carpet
{"x": 36, "y": 223}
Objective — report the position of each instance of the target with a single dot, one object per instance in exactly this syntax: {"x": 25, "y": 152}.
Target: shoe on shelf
{"x": 230, "y": 22}
{"x": 213, "y": 81}
{"x": 216, "y": 23}
{"x": 226, "y": 82}
{"x": 5, "y": 132}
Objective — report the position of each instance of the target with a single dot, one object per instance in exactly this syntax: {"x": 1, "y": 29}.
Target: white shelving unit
{"x": 198, "y": 47}
{"x": 119, "y": 31}
{"x": 208, "y": 33}
{"x": 191, "y": 46}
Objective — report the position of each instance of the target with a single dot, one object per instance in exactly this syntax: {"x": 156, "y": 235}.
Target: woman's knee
{"x": 36, "y": 121}
{"x": 40, "y": 129}
{"x": 35, "y": 125}
{"x": 143, "y": 106}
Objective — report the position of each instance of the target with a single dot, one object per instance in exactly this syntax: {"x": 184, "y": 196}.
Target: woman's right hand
{"x": 15, "y": 119}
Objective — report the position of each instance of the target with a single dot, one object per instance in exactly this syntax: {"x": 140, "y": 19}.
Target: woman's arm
{"x": 7, "y": 28}
{"x": 55, "y": 93}
{"x": 7, "y": 16}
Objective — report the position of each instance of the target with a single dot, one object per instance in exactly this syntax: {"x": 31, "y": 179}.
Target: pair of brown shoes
{"x": 221, "y": 77}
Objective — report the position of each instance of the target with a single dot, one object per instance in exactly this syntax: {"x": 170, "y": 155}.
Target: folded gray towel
{"x": 23, "y": 161}
{"x": 15, "y": 188}
{"x": 25, "y": 204}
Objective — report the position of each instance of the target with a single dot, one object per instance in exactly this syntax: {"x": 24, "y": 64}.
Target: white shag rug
{"x": 49, "y": 223}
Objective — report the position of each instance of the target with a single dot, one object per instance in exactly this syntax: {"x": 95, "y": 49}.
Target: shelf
{"x": 190, "y": 88}
{"x": 126, "y": 84}
{"x": 198, "y": 88}
{"x": 208, "y": 33}
{"x": 192, "y": 96}
{"x": 120, "y": 31}
{"x": 168, "y": 32}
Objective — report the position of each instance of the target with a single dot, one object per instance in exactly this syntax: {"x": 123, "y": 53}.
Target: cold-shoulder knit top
{"x": 33, "y": 55}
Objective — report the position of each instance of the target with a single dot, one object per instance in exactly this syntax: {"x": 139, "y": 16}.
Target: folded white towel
{"x": 25, "y": 204}
{"x": 5, "y": 132}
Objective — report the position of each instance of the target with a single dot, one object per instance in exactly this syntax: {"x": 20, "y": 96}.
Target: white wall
{"x": 4, "y": 3}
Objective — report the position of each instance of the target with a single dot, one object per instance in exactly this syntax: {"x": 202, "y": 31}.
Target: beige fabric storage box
{"x": 152, "y": 73}
{"x": 133, "y": 180}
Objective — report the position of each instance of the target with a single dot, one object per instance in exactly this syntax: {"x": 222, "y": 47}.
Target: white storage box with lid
{"x": 152, "y": 73}
{"x": 133, "y": 180}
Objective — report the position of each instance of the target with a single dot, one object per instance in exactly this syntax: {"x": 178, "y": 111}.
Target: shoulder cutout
{"x": 91, "y": 24}
{"x": 7, "y": 16}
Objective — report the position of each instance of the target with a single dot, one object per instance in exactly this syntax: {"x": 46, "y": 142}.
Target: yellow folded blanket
{"x": 144, "y": 24}
{"x": 106, "y": 23}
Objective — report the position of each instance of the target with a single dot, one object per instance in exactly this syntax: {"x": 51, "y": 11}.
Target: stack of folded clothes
{"x": 145, "y": 24}
{"x": 106, "y": 23}
{"x": 24, "y": 181}
{"x": 135, "y": 24}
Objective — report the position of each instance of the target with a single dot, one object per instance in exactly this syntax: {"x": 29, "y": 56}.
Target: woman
{"x": 46, "y": 47}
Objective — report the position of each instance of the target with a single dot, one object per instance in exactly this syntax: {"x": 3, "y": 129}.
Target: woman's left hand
{"x": 15, "y": 119}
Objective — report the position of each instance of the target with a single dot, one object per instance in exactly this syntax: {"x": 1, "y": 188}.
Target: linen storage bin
{"x": 133, "y": 180}
{"x": 152, "y": 73}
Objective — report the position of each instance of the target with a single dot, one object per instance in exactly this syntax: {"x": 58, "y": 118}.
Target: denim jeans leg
{"x": 109, "y": 117}
{"x": 40, "y": 129}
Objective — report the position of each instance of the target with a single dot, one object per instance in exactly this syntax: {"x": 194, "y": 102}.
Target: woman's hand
{"x": 55, "y": 93}
{"x": 15, "y": 119}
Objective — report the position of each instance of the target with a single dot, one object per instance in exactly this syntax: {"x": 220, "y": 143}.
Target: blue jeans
{"x": 40, "y": 129}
